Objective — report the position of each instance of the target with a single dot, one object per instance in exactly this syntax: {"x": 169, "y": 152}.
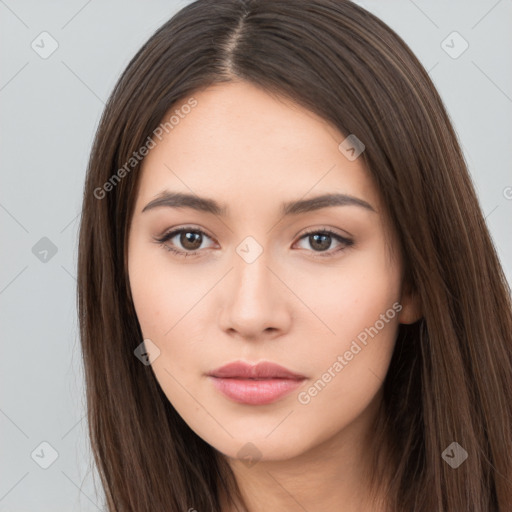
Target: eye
{"x": 188, "y": 241}
{"x": 321, "y": 240}
{"x": 189, "y": 238}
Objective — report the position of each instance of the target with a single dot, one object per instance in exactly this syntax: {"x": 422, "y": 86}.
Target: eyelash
{"x": 322, "y": 254}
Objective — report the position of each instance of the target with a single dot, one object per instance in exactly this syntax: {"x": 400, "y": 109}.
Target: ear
{"x": 411, "y": 306}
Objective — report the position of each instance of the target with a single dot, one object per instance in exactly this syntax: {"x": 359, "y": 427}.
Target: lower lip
{"x": 255, "y": 392}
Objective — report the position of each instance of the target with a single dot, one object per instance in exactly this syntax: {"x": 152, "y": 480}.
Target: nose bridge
{"x": 250, "y": 264}
{"x": 252, "y": 277}
{"x": 255, "y": 303}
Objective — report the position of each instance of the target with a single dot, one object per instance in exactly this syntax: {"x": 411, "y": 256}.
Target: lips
{"x": 263, "y": 370}
{"x": 255, "y": 384}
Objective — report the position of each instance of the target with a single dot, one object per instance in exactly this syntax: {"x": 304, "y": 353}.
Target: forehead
{"x": 242, "y": 143}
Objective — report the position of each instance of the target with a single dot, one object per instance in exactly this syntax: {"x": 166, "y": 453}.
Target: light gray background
{"x": 50, "y": 109}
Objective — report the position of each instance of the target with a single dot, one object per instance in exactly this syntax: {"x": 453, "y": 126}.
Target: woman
{"x": 328, "y": 326}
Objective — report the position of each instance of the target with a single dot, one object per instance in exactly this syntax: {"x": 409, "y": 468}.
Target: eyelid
{"x": 179, "y": 227}
{"x": 166, "y": 235}
{"x": 172, "y": 232}
{"x": 343, "y": 240}
{"x": 339, "y": 232}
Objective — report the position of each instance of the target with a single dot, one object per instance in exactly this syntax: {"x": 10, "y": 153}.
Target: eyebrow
{"x": 204, "y": 204}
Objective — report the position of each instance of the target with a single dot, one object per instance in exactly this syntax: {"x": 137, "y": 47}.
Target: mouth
{"x": 255, "y": 384}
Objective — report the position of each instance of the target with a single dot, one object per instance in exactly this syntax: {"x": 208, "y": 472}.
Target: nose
{"x": 256, "y": 304}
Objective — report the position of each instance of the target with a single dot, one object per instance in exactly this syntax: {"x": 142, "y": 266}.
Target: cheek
{"x": 163, "y": 299}
{"x": 350, "y": 365}
{"x": 172, "y": 311}
{"x": 148, "y": 293}
{"x": 359, "y": 304}
{"x": 161, "y": 294}
{"x": 351, "y": 297}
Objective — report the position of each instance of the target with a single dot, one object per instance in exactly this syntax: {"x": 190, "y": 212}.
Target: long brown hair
{"x": 450, "y": 377}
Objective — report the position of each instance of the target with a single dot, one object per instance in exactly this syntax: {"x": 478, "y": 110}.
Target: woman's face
{"x": 315, "y": 287}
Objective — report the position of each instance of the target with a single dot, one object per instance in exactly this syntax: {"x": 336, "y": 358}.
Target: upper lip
{"x": 260, "y": 370}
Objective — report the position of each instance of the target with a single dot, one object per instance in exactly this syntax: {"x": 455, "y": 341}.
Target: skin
{"x": 293, "y": 305}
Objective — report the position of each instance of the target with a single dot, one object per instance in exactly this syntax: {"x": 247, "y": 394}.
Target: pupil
{"x": 190, "y": 240}
{"x": 321, "y": 242}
